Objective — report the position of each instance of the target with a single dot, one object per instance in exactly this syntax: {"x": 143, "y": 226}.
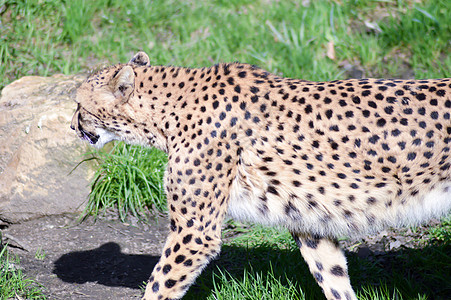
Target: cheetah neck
{"x": 160, "y": 93}
{"x": 172, "y": 96}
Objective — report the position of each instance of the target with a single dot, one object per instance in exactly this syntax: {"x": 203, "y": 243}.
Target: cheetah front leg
{"x": 193, "y": 241}
{"x": 327, "y": 264}
{"x": 179, "y": 266}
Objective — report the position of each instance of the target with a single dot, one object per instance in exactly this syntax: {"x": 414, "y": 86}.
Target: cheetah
{"x": 322, "y": 159}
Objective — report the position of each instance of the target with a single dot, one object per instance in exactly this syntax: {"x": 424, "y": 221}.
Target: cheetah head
{"x": 101, "y": 103}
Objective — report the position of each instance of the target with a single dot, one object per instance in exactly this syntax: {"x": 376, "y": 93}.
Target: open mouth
{"x": 83, "y": 134}
{"x": 91, "y": 138}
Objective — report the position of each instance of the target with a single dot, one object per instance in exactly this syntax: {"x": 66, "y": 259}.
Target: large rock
{"x": 38, "y": 150}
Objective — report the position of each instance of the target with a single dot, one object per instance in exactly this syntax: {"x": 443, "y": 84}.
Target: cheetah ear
{"x": 140, "y": 59}
{"x": 123, "y": 83}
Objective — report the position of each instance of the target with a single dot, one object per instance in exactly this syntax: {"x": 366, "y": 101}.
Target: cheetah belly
{"x": 246, "y": 204}
{"x": 249, "y": 202}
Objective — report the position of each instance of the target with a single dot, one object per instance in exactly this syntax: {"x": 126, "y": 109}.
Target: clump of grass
{"x": 253, "y": 285}
{"x": 13, "y": 284}
{"x": 40, "y": 254}
{"x": 129, "y": 178}
{"x": 384, "y": 293}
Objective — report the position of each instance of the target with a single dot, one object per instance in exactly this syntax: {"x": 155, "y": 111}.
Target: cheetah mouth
{"x": 83, "y": 134}
{"x": 87, "y": 136}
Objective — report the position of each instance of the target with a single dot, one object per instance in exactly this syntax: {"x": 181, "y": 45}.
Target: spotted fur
{"x": 323, "y": 159}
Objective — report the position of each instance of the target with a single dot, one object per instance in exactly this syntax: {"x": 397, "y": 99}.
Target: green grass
{"x": 13, "y": 284}
{"x": 252, "y": 286}
{"x": 442, "y": 232}
{"x": 381, "y": 38}
{"x": 267, "y": 259}
{"x": 43, "y": 37}
{"x": 128, "y": 178}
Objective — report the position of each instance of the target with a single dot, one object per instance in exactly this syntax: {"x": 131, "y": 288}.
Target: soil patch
{"x": 105, "y": 259}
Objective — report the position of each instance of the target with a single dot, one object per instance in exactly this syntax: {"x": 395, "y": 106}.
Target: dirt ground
{"x": 107, "y": 259}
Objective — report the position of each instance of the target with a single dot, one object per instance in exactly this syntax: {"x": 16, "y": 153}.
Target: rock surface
{"x": 38, "y": 150}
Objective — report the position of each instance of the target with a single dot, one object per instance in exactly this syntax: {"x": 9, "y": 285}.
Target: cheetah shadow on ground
{"x": 425, "y": 271}
{"x": 106, "y": 265}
